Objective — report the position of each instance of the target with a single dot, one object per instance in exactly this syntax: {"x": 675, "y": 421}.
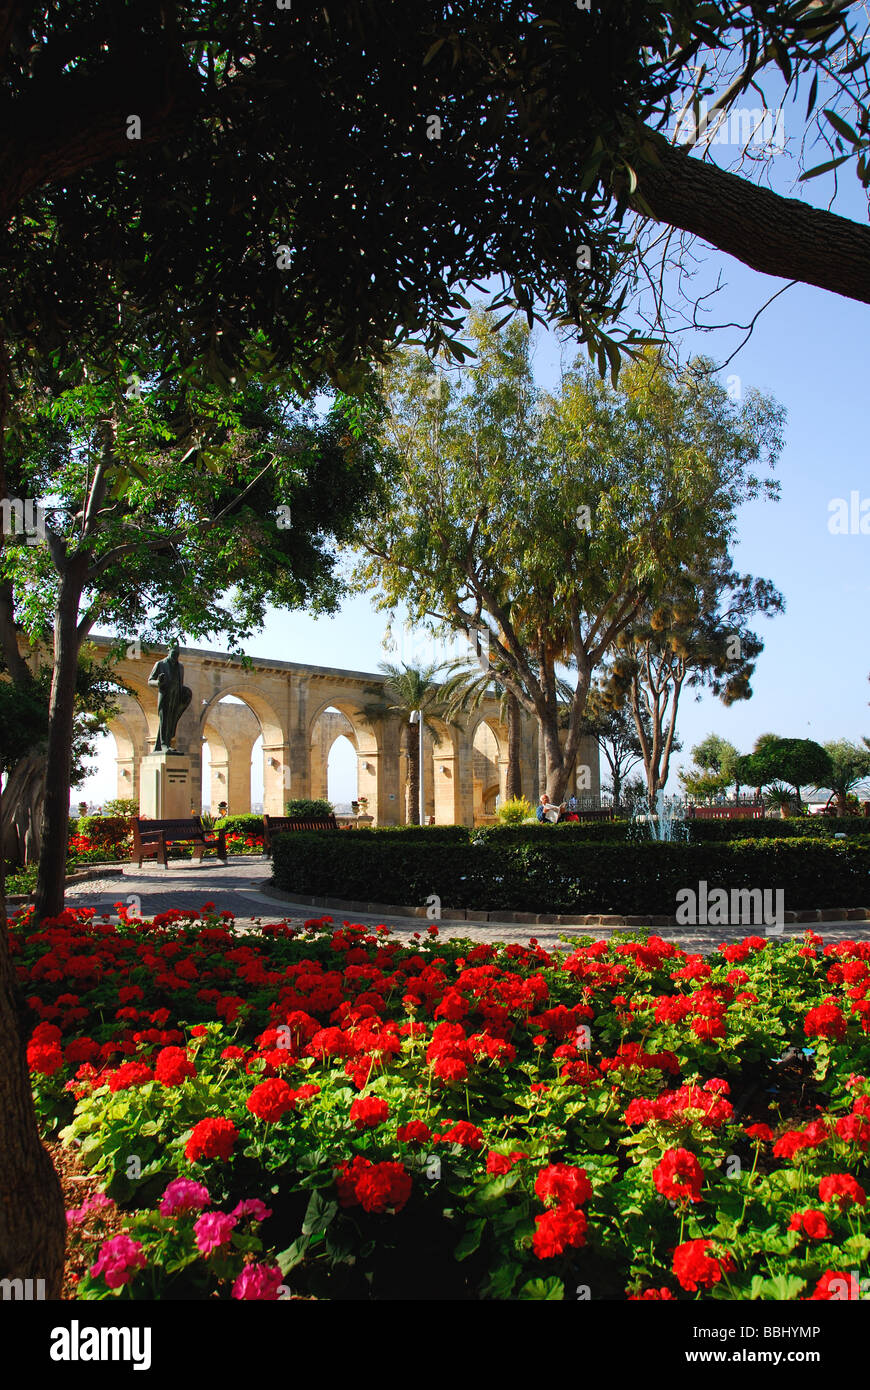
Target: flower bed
{"x": 331, "y": 1113}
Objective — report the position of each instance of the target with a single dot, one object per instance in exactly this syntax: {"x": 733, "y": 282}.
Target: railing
{"x": 741, "y": 810}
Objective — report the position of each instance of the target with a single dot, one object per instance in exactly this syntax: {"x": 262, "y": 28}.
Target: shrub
{"x": 522, "y": 869}
{"x": 104, "y": 832}
{"x": 515, "y": 811}
{"x": 241, "y": 825}
{"x": 308, "y": 808}
{"x": 122, "y": 806}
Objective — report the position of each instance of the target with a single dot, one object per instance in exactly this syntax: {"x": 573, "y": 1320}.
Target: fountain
{"x": 667, "y": 823}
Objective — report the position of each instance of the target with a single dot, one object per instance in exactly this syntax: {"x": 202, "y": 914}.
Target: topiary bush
{"x": 308, "y": 808}
{"x": 241, "y": 825}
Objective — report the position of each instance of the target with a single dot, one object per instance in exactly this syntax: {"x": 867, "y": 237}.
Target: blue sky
{"x": 810, "y": 349}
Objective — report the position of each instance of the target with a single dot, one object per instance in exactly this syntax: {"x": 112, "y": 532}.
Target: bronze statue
{"x": 173, "y": 697}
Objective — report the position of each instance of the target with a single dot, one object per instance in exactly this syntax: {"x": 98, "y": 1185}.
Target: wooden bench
{"x": 747, "y": 810}
{"x": 274, "y": 825}
{"x": 151, "y": 838}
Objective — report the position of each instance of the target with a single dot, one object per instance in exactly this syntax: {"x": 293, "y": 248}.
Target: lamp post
{"x": 417, "y": 718}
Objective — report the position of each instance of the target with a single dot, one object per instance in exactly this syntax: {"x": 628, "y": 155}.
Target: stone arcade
{"x": 300, "y": 710}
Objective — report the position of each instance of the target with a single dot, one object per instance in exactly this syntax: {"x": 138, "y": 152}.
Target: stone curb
{"x": 595, "y": 919}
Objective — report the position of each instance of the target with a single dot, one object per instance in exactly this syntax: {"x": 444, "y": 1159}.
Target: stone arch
{"x": 130, "y": 730}
{"x": 445, "y": 779}
{"x": 365, "y": 735}
{"x": 326, "y": 729}
{"x": 276, "y": 753}
{"x": 489, "y": 755}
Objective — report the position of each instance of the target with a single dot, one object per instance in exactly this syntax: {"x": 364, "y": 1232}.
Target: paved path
{"x": 242, "y": 888}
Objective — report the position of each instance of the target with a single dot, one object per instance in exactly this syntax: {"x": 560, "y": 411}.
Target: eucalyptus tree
{"x": 545, "y": 522}
{"x": 695, "y": 635}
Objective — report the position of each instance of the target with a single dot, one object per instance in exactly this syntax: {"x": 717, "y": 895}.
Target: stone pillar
{"x": 276, "y": 763}
{"x": 297, "y": 769}
{"x": 464, "y": 768}
{"x": 129, "y": 775}
{"x": 389, "y": 776}
{"x": 446, "y": 789}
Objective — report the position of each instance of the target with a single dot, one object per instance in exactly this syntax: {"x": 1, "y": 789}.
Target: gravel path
{"x": 243, "y": 889}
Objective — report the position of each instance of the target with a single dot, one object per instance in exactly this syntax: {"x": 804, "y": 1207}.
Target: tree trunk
{"x": 51, "y": 880}
{"x": 616, "y": 783}
{"x": 542, "y": 765}
{"x": 779, "y": 236}
{"x": 513, "y": 777}
{"x": 412, "y": 797}
{"x": 842, "y": 804}
{"x": 557, "y": 770}
{"x": 32, "y": 1216}
{"x": 22, "y": 810}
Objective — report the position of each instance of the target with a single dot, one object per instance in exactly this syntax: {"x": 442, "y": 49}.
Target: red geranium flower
{"x": 842, "y": 1186}
{"x": 836, "y": 1286}
{"x": 556, "y": 1230}
{"x": 812, "y": 1223}
{"x": 564, "y": 1184}
{"x": 376, "y": 1187}
{"x": 760, "y": 1132}
{"x": 679, "y": 1175}
{"x": 213, "y": 1138}
{"x": 129, "y": 1074}
{"x": 369, "y": 1111}
{"x": 854, "y": 1129}
{"x": 44, "y": 1057}
{"x": 499, "y": 1164}
{"x": 270, "y": 1100}
{"x": 173, "y": 1066}
{"x": 468, "y": 1135}
{"x": 696, "y": 1268}
{"x": 825, "y": 1022}
{"x": 413, "y": 1132}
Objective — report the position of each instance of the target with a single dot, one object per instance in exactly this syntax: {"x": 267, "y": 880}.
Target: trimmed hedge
{"x": 241, "y": 825}
{"x": 770, "y": 828}
{"x": 561, "y": 874}
{"x": 620, "y": 831}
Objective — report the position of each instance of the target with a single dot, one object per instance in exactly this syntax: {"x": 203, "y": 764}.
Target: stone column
{"x": 388, "y": 777}
{"x": 276, "y": 760}
{"x": 297, "y": 769}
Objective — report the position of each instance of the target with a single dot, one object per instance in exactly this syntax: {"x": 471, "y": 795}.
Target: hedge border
{"x": 594, "y": 919}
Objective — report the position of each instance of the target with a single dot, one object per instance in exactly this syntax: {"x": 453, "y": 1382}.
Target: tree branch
{"x": 776, "y": 235}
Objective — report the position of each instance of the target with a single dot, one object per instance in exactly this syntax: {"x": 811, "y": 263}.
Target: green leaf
{"x": 470, "y": 1240}
{"x": 551, "y": 1290}
{"x": 842, "y": 127}
{"x": 294, "y": 1254}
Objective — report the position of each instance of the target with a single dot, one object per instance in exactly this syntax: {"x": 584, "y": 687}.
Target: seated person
{"x": 548, "y": 811}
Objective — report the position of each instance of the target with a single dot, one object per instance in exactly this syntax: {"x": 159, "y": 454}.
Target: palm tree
{"x": 467, "y": 688}
{"x": 406, "y": 689}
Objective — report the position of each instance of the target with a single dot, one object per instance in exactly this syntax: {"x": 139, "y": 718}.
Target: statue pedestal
{"x": 165, "y": 787}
